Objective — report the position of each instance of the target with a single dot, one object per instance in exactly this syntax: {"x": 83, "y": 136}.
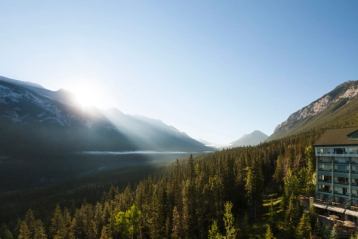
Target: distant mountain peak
{"x": 254, "y": 138}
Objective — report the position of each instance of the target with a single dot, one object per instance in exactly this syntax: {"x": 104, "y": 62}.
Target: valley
{"x": 261, "y": 185}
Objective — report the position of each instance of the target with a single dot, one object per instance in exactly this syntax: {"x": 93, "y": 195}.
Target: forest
{"x": 247, "y": 192}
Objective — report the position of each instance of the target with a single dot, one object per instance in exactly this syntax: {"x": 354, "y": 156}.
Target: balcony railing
{"x": 341, "y": 183}
{"x": 325, "y": 181}
{"x": 329, "y": 202}
{"x": 324, "y": 191}
{"x": 325, "y": 169}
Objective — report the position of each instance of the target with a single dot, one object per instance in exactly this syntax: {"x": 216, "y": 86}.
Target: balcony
{"x": 325, "y": 191}
{"x": 341, "y": 170}
{"x": 325, "y": 181}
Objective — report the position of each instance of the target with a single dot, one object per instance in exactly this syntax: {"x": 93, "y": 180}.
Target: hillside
{"x": 190, "y": 197}
{"x": 338, "y": 108}
{"x": 254, "y": 138}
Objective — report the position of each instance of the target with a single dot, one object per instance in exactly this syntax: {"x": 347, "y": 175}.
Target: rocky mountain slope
{"x": 338, "y": 108}
{"x": 254, "y": 138}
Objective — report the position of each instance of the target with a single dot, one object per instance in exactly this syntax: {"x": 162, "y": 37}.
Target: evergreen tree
{"x": 24, "y": 232}
{"x": 304, "y": 229}
{"x": 40, "y": 232}
{"x": 334, "y": 232}
{"x": 128, "y": 222}
{"x": 214, "y": 231}
{"x": 188, "y": 209}
{"x": 30, "y": 222}
{"x": 292, "y": 212}
{"x": 177, "y": 230}
{"x": 105, "y": 233}
{"x": 229, "y": 222}
{"x": 57, "y": 227}
{"x": 269, "y": 234}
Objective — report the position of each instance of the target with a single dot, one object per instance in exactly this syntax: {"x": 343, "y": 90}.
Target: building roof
{"x": 345, "y": 136}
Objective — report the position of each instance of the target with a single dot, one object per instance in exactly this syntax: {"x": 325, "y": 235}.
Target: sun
{"x": 88, "y": 96}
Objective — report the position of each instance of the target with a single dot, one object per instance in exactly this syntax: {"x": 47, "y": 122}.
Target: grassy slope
{"x": 336, "y": 116}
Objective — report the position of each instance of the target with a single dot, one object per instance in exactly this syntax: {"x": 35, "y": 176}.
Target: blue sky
{"x": 214, "y": 69}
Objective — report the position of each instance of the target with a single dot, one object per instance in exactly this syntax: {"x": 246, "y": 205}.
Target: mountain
{"x": 43, "y": 134}
{"x": 152, "y": 134}
{"x": 34, "y": 119}
{"x": 336, "y": 109}
{"x": 37, "y": 120}
{"x": 254, "y": 138}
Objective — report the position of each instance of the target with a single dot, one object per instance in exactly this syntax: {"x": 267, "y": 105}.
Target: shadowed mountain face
{"x": 338, "y": 108}
{"x": 151, "y": 134}
{"x": 36, "y": 120}
{"x": 254, "y": 138}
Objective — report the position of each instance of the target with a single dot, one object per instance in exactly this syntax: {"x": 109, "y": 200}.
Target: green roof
{"x": 344, "y": 136}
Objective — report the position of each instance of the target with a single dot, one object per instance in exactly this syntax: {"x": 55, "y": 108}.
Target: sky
{"x": 214, "y": 69}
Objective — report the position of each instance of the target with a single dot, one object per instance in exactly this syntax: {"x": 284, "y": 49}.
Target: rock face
{"x": 35, "y": 119}
{"x": 331, "y": 104}
{"x": 254, "y": 138}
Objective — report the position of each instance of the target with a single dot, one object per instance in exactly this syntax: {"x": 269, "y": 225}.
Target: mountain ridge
{"x": 38, "y": 116}
{"x": 330, "y": 110}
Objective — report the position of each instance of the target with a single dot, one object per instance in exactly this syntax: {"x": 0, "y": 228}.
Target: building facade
{"x": 337, "y": 173}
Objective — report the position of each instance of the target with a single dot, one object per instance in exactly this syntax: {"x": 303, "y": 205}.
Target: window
{"x": 340, "y": 200}
{"x": 339, "y": 150}
{"x": 341, "y": 168}
{"x": 352, "y": 150}
{"x": 325, "y": 160}
{"x": 341, "y": 180}
{"x": 355, "y": 181}
{"x": 341, "y": 190}
{"x": 325, "y": 178}
{"x": 341, "y": 160}
{"x": 355, "y": 160}
{"x": 353, "y": 135}
{"x": 354, "y": 168}
{"x": 325, "y": 167}
{"x": 324, "y": 188}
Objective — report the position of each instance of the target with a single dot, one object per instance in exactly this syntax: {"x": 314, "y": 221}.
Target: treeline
{"x": 220, "y": 195}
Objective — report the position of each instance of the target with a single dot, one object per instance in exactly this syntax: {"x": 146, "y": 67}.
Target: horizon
{"x": 216, "y": 71}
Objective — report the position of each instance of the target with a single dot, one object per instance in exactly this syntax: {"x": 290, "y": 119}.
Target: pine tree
{"x": 334, "y": 232}
{"x": 271, "y": 212}
{"x": 57, "y": 227}
{"x": 128, "y": 222}
{"x": 177, "y": 230}
{"x": 188, "y": 210}
{"x": 229, "y": 222}
{"x": 40, "y": 232}
{"x": 304, "y": 229}
{"x": 269, "y": 234}
{"x": 214, "y": 231}
{"x": 30, "y": 222}
{"x": 105, "y": 233}
{"x": 292, "y": 212}
{"x": 24, "y": 232}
